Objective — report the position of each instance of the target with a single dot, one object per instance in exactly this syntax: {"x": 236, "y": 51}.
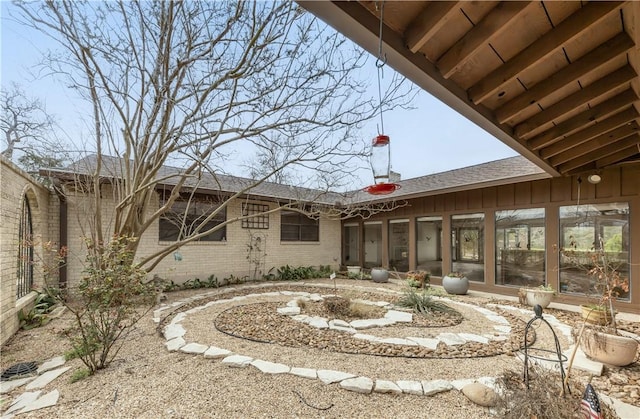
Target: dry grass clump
{"x": 337, "y": 305}
{"x": 363, "y": 311}
{"x": 542, "y": 399}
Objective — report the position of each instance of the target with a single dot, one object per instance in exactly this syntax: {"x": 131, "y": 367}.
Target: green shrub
{"x": 422, "y": 303}
{"x": 79, "y": 374}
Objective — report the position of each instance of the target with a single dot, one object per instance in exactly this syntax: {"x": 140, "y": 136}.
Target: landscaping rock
{"x": 384, "y": 386}
{"x": 358, "y": 384}
{"x": 270, "y": 367}
{"x": 237, "y": 361}
{"x": 51, "y": 364}
{"x": 175, "y": 344}
{"x": 47, "y": 400}
{"x": 194, "y": 348}
{"x": 304, "y": 372}
{"x": 331, "y": 376}
{"x": 216, "y": 353}
{"x": 430, "y": 388}
{"x": 480, "y": 394}
{"x": 46, "y": 378}
{"x": 410, "y": 387}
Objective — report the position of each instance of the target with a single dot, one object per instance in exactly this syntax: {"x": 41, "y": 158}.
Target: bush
{"x": 113, "y": 295}
{"x": 422, "y": 303}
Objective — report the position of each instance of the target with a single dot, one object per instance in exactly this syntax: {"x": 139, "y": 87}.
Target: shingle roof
{"x": 498, "y": 172}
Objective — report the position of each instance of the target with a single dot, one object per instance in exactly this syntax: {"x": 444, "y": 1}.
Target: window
{"x": 467, "y": 241}
{"x": 189, "y": 217}
{"x": 429, "y": 244}
{"x": 258, "y": 219}
{"x": 520, "y": 247}
{"x": 295, "y": 226}
{"x": 25, "y": 251}
{"x": 585, "y": 228}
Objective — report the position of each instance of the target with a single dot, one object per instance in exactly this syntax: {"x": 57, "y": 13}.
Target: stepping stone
{"x": 358, "y": 384}
{"x": 370, "y": 323}
{"x": 175, "y": 344}
{"x": 7, "y": 386}
{"x": 399, "y": 316}
{"x": 216, "y": 353}
{"x": 339, "y": 323}
{"x": 172, "y": 331}
{"x": 347, "y": 329}
{"x": 435, "y": 386}
{"x": 270, "y": 367}
{"x": 48, "y": 400}
{"x": 318, "y": 322}
{"x": 581, "y": 362}
{"x": 289, "y": 311}
{"x": 51, "y": 364}
{"x": 178, "y": 318}
{"x": 194, "y": 348}
{"x": 451, "y": 339}
{"x": 304, "y": 372}
{"x": 384, "y": 386}
{"x": 410, "y": 387}
{"x": 22, "y": 401}
{"x": 426, "y": 342}
{"x": 331, "y": 376}
{"x": 503, "y": 329}
{"x": 293, "y": 303}
{"x": 471, "y": 337}
{"x": 46, "y": 378}
{"x": 237, "y": 361}
{"x": 498, "y": 319}
{"x": 398, "y": 341}
{"x": 364, "y": 336}
{"x": 301, "y": 318}
{"x": 459, "y": 384}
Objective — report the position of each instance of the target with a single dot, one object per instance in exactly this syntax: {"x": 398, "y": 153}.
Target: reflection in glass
{"x": 467, "y": 242}
{"x": 520, "y": 247}
{"x": 351, "y": 245}
{"x": 372, "y": 244}
{"x": 590, "y": 227}
{"x": 429, "y": 244}
{"x": 399, "y": 245}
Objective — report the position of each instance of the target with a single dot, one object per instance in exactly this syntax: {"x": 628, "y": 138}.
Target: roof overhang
{"x": 556, "y": 81}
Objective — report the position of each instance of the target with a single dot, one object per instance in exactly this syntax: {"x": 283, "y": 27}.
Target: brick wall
{"x": 15, "y": 184}
{"x": 222, "y": 259}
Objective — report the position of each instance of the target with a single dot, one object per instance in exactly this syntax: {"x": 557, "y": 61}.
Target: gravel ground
{"x": 147, "y": 381}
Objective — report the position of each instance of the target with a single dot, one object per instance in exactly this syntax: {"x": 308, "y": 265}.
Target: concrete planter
{"x": 607, "y": 348}
{"x": 540, "y": 297}
{"x": 379, "y": 275}
{"x": 455, "y": 285}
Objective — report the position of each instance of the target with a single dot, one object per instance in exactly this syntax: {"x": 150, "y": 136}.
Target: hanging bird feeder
{"x": 380, "y": 146}
{"x": 381, "y": 166}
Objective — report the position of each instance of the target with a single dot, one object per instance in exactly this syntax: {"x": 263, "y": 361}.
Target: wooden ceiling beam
{"x": 550, "y": 42}
{"x": 586, "y": 134}
{"x": 481, "y": 34}
{"x": 583, "y": 119}
{"x": 595, "y": 144}
{"x": 620, "y": 155}
{"x": 600, "y": 152}
{"x": 597, "y": 57}
{"x": 423, "y": 27}
{"x": 575, "y": 100}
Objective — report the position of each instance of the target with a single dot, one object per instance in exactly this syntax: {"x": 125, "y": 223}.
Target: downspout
{"x": 62, "y": 231}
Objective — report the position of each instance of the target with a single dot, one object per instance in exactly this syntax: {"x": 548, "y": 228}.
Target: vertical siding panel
{"x": 449, "y": 202}
{"x": 461, "y": 200}
{"x": 505, "y": 195}
{"x": 523, "y": 193}
{"x": 609, "y": 185}
{"x": 561, "y": 189}
{"x": 629, "y": 179}
{"x": 438, "y": 203}
{"x": 475, "y": 199}
{"x": 489, "y": 197}
{"x": 540, "y": 191}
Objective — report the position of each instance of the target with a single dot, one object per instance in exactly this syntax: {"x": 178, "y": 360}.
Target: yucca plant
{"x": 422, "y": 303}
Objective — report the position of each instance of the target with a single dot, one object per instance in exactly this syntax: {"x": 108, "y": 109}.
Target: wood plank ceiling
{"x": 555, "y": 80}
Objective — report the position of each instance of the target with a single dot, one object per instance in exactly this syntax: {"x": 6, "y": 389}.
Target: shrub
{"x": 337, "y": 305}
{"x": 422, "y": 303}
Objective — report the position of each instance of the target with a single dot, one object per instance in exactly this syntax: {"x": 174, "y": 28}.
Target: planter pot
{"x": 596, "y": 316}
{"x": 454, "y": 285}
{"x": 540, "y": 297}
{"x": 353, "y": 270}
{"x": 379, "y": 275}
{"x": 609, "y": 349}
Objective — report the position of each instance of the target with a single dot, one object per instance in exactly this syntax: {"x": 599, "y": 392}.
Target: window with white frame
{"x": 295, "y": 226}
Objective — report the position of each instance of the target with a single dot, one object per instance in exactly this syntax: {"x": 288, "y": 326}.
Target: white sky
{"x": 428, "y": 139}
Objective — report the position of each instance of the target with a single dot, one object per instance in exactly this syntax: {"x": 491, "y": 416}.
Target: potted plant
{"x": 418, "y": 279}
{"x": 353, "y": 270}
{"x": 601, "y": 340}
{"x": 455, "y": 283}
{"x": 541, "y": 295}
{"x": 379, "y": 274}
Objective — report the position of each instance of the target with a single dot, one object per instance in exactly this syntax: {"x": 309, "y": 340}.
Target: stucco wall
{"x": 202, "y": 259}
{"x": 15, "y": 184}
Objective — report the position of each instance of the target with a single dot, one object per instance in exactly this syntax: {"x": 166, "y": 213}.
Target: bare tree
{"x": 28, "y": 128}
{"x": 189, "y": 83}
